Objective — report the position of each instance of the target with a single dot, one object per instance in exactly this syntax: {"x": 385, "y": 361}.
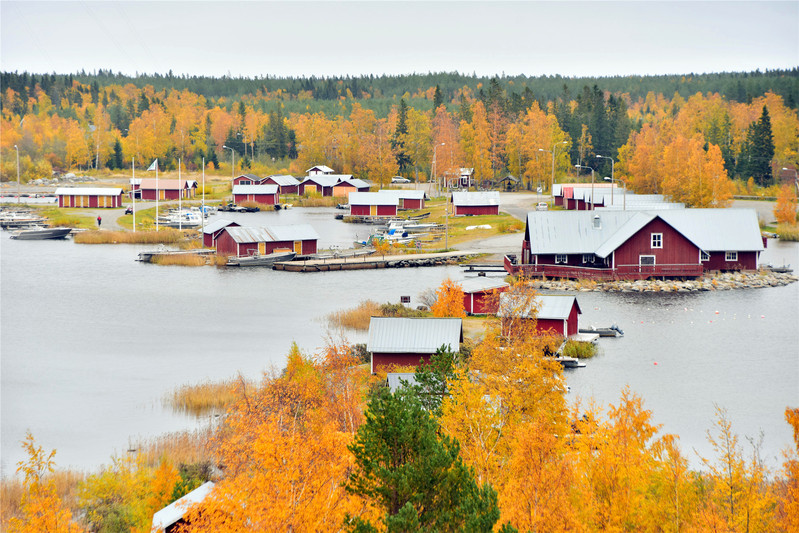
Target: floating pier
{"x": 374, "y": 261}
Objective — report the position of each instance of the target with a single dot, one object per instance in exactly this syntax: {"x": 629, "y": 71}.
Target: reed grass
{"x": 179, "y": 260}
{"x": 357, "y": 318}
{"x": 580, "y": 350}
{"x": 263, "y": 207}
{"x": 165, "y": 236}
{"x": 180, "y": 447}
{"x": 207, "y": 397}
{"x": 787, "y": 232}
{"x": 317, "y": 200}
{"x": 12, "y": 489}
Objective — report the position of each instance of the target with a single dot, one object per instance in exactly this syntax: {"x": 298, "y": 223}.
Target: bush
{"x": 580, "y": 350}
{"x": 788, "y": 232}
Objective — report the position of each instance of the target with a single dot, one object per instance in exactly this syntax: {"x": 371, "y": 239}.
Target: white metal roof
{"x": 717, "y": 229}
{"x": 250, "y": 177}
{"x": 88, "y": 191}
{"x": 321, "y": 168}
{"x": 298, "y": 232}
{"x": 255, "y": 189}
{"x": 475, "y": 198}
{"x": 325, "y": 180}
{"x": 175, "y": 511}
{"x": 408, "y": 194}
{"x": 372, "y": 198}
{"x": 482, "y": 283}
{"x": 395, "y": 380}
{"x": 413, "y": 335}
{"x": 217, "y": 225}
{"x": 549, "y": 307}
{"x": 284, "y": 180}
{"x": 355, "y": 182}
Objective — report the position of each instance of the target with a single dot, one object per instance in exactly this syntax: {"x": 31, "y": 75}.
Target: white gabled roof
{"x": 255, "y": 189}
{"x": 284, "y": 180}
{"x": 322, "y": 168}
{"x": 482, "y": 283}
{"x": 177, "y": 509}
{"x": 372, "y": 198}
{"x": 715, "y": 230}
{"x": 413, "y": 335}
{"x": 549, "y": 307}
{"x": 325, "y": 180}
{"x": 475, "y": 198}
{"x": 405, "y": 194}
{"x": 88, "y": 191}
{"x": 217, "y": 225}
{"x": 355, "y": 182}
{"x": 298, "y": 232}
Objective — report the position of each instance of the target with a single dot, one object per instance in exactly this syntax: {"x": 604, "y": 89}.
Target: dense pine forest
{"x": 726, "y": 125}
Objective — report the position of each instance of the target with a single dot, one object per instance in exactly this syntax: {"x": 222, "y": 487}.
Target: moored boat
{"x": 41, "y": 233}
{"x": 261, "y": 260}
{"x": 612, "y": 331}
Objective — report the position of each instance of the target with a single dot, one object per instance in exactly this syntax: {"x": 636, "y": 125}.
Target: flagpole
{"x": 180, "y": 199}
{"x": 133, "y": 189}
{"x": 157, "y": 194}
{"x": 202, "y": 215}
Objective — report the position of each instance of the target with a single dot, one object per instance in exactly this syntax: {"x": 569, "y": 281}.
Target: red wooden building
{"x": 372, "y": 204}
{"x": 318, "y": 183}
{"x": 262, "y": 194}
{"x": 406, "y": 341}
{"x": 243, "y": 241}
{"x": 285, "y": 184}
{"x": 319, "y": 170}
{"x": 212, "y": 231}
{"x": 481, "y": 294}
{"x": 247, "y": 179}
{"x": 152, "y": 189}
{"x": 475, "y": 203}
{"x": 556, "y": 315}
{"x": 675, "y": 243}
{"x": 407, "y": 199}
{"x": 348, "y": 184}
{"x": 89, "y": 197}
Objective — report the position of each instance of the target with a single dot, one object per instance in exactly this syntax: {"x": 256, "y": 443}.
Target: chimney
{"x": 597, "y": 222}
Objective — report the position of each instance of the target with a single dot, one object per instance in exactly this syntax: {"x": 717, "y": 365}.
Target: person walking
{"x": 99, "y": 220}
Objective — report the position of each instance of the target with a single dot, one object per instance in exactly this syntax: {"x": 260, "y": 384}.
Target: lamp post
{"x": 552, "y": 183}
{"x": 232, "y": 161}
{"x": 578, "y": 167}
{"x": 19, "y": 198}
{"x": 435, "y": 164}
{"x": 612, "y": 175}
{"x": 624, "y": 198}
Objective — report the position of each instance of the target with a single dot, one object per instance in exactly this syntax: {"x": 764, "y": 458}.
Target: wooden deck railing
{"x": 621, "y": 271}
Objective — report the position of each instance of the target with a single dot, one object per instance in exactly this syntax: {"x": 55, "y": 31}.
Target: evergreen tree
{"x": 116, "y": 161}
{"x": 398, "y": 139}
{"x": 431, "y": 379}
{"x": 438, "y": 99}
{"x": 414, "y": 474}
{"x": 762, "y": 150}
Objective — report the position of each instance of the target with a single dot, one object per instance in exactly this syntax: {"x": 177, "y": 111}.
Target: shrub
{"x": 580, "y": 350}
{"x": 788, "y": 232}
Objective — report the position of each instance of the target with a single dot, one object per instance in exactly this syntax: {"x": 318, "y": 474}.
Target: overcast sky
{"x": 593, "y": 38}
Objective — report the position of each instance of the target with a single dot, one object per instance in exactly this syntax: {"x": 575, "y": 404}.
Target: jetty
{"x": 374, "y": 261}
{"x": 147, "y": 257}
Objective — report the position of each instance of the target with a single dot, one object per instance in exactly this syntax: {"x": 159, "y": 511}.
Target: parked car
{"x": 400, "y": 179}
{"x": 541, "y": 206}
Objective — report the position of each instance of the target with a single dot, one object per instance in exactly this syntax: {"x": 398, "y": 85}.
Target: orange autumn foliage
{"x": 785, "y": 209}
{"x": 449, "y": 300}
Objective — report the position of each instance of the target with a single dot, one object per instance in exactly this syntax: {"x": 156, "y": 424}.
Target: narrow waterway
{"x": 92, "y": 340}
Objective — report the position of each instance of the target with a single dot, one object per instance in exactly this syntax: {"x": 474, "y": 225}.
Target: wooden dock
{"x": 374, "y": 261}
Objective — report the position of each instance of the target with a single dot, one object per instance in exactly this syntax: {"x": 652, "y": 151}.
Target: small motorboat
{"x": 261, "y": 260}
{"x": 612, "y": 331}
{"x": 41, "y": 233}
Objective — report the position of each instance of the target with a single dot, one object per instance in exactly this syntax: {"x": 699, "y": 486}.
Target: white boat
{"x": 261, "y": 260}
{"x": 19, "y": 219}
{"x": 181, "y": 219}
{"x": 40, "y": 233}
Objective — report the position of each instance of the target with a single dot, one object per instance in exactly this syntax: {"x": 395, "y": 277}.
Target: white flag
{"x": 153, "y": 166}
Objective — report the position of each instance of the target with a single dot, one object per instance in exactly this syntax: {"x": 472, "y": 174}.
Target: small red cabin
{"x": 475, "y": 203}
{"x": 247, "y": 179}
{"x": 406, "y": 341}
{"x": 261, "y": 194}
{"x": 243, "y": 241}
{"x": 372, "y": 204}
{"x": 319, "y": 184}
{"x": 407, "y": 199}
{"x": 556, "y": 314}
{"x": 152, "y": 189}
{"x": 212, "y": 231}
{"x": 285, "y": 184}
{"x": 89, "y": 197}
{"x": 481, "y": 294}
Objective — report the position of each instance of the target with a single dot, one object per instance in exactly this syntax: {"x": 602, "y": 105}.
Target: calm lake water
{"x": 92, "y": 341}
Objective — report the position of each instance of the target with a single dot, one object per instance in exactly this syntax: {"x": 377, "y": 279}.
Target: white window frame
{"x": 730, "y": 256}
{"x": 245, "y": 182}
{"x": 656, "y": 237}
{"x": 641, "y": 257}
{"x": 561, "y": 259}
{"x": 704, "y": 256}
{"x": 588, "y": 258}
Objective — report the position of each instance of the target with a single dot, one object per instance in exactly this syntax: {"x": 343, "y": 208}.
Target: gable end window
{"x": 657, "y": 240}
{"x": 731, "y": 256}
{"x": 704, "y": 256}
{"x": 561, "y": 259}
{"x": 245, "y": 182}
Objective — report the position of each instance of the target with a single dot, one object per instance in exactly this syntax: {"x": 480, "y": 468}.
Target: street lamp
{"x": 552, "y": 184}
{"x": 612, "y": 175}
{"x": 19, "y": 198}
{"x": 232, "y": 161}
{"x": 624, "y": 199}
{"x": 435, "y": 164}
{"x": 578, "y": 167}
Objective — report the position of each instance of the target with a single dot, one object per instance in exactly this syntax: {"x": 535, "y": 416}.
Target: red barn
{"x": 556, "y": 314}
{"x": 475, "y": 203}
{"x": 243, "y": 241}
{"x": 348, "y": 184}
{"x": 89, "y": 197}
{"x": 372, "y": 204}
{"x": 285, "y": 184}
{"x": 247, "y": 179}
{"x": 152, "y": 189}
{"x": 212, "y": 231}
{"x": 406, "y": 341}
{"x": 407, "y": 199}
{"x": 319, "y": 170}
{"x": 262, "y": 194}
{"x": 318, "y": 183}
{"x": 481, "y": 294}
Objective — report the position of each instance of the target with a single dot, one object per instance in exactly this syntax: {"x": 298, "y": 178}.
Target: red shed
{"x": 348, "y": 184}
{"x": 89, "y": 197}
{"x": 372, "y": 204}
{"x": 247, "y": 179}
{"x": 285, "y": 184}
{"x": 262, "y": 194}
{"x": 213, "y": 230}
{"x": 556, "y": 314}
{"x": 243, "y": 241}
{"x": 167, "y": 189}
{"x": 475, "y": 203}
{"x": 406, "y": 341}
{"x": 318, "y": 183}
{"x": 407, "y": 199}
{"x": 481, "y": 294}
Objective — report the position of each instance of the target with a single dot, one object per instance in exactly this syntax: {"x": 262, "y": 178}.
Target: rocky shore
{"x": 718, "y": 282}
